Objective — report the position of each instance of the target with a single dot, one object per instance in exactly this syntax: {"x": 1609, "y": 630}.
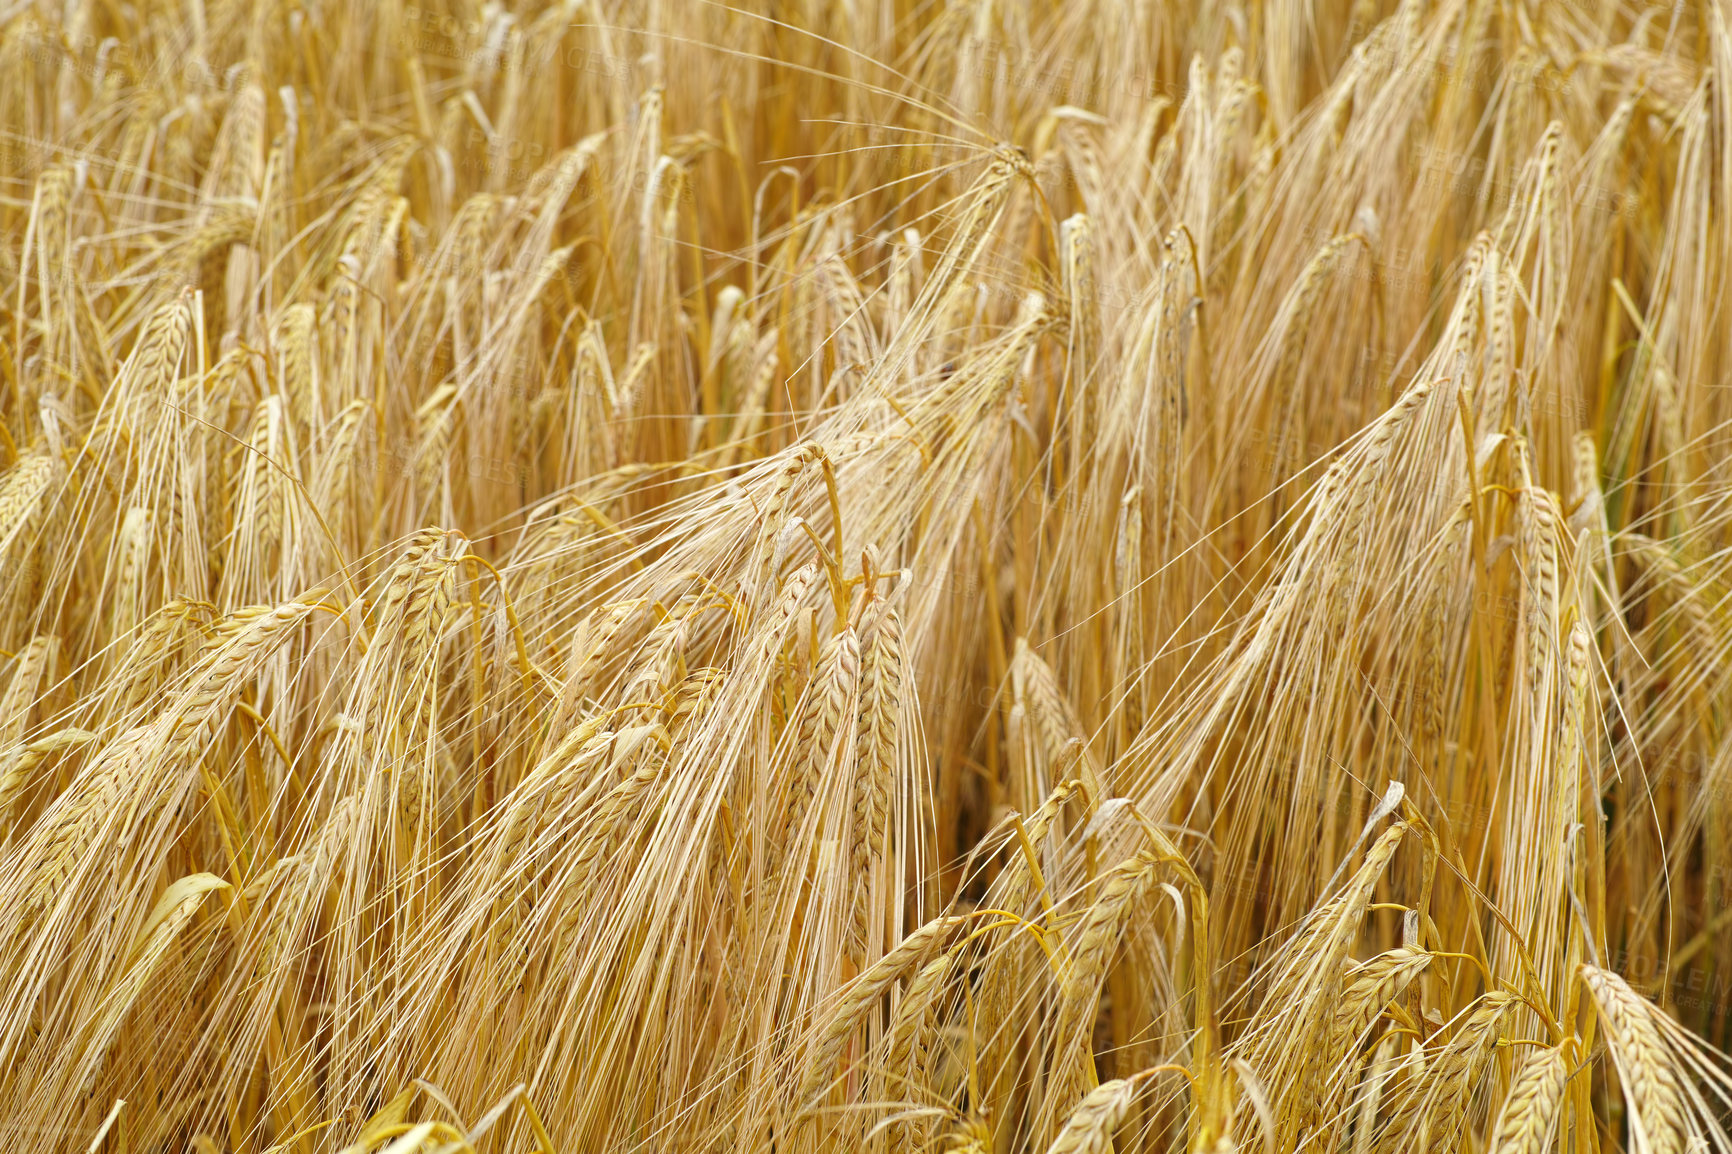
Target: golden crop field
{"x": 957, "y": 576}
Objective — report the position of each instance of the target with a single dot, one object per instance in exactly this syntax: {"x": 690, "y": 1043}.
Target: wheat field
{"x": 866, "y": 575}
